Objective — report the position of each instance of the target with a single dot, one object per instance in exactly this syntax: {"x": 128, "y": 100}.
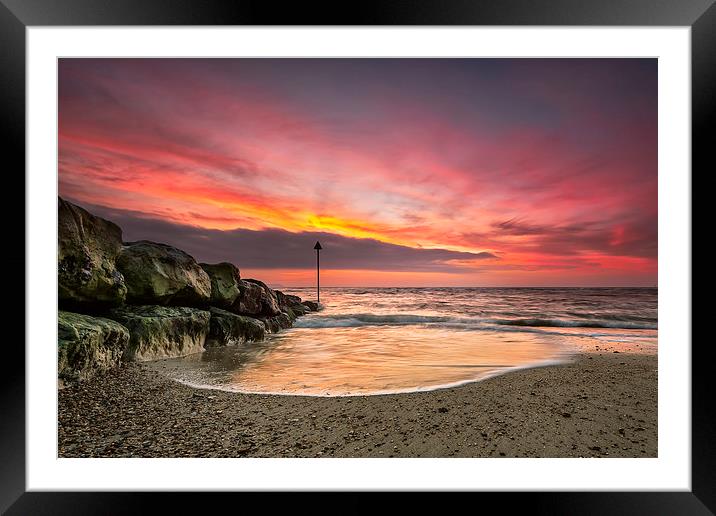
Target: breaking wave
{"x": 363, "y": 319}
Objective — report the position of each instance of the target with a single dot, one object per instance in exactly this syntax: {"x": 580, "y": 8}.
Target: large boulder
{"x": 291, "y": 300}
{"x": 278, "y": 322}
{"x": 87, "y": 250}
{"x": 249, "y": 300}
{"x": 160, "y": 274}
{"x": 290, "y": 304}
{"x": 87, "y": 345}
{"x": 269, "y": 302}
{"x": 228, "y": 329}
{"x": 311, "y": 305}
{"x": 225, "y": 279}
{"x": 162, "y": 331}
{"x": 280, "y": 298}
{"x": 298, "y": 310}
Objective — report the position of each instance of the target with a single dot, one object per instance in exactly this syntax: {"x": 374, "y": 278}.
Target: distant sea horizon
{"x": 279, "y": 286}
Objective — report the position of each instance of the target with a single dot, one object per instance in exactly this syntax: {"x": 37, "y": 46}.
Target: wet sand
{"x": 601, "y": 404}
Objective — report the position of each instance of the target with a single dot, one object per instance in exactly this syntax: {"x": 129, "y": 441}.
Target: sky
{"x": 410, "y": 172}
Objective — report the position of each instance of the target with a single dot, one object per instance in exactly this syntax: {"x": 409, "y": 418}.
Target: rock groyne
{"x": 134, "y": 301}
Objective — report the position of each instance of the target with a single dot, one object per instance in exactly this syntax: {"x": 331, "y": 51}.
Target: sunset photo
{"x": 357, "y": 257}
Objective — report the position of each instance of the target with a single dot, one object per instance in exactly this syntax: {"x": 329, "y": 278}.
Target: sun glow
{"x": 463, "y": 169}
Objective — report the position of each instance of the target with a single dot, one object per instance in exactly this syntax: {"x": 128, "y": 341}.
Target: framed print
{"x": 440, "y": 248}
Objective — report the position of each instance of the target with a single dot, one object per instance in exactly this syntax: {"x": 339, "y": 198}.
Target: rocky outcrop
{"x": 225, "y": 278}
{"x": 158, "y": 301}
{"x": 229, "y": 329}
{"x": 87, "y": 250}
{"x": 160, "y": 274}
{"x": 162, "y": 331}
{"x": 87, "y": 345}
{"x": 269, "y": 302}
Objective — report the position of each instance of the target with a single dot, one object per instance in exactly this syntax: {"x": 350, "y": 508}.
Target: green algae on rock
{"x": 162, "y": 331}
{"x": 88, "y": 247}
{"x": 225, "y": 278}
{"x": 87, "y": 345}
{"x": 228, "y": 329}
{"x": 160, "y": 274}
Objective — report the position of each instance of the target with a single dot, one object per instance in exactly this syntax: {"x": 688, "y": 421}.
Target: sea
{"x": 372, "y": 341}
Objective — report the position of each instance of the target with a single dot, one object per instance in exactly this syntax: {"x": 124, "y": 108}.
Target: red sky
{"x": 411, "y": 172}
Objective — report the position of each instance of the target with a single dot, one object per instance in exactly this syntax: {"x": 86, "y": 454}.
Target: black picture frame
{"x": 17, "y": 15}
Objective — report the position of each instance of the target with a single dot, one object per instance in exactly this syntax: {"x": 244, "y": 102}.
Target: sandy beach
{"x": 601, "y": 404}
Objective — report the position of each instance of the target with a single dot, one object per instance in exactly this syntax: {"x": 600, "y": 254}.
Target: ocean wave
{"x": 583, "y": 323}
{"x": 348, "y": 320}
{"x": 357, "y": 320}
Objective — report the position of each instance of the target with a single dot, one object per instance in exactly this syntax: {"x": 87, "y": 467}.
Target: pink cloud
{"x": 237, "y": 148}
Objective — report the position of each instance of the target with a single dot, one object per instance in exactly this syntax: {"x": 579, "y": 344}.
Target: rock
{"x": 283, "y": 320}
{"x": 283, "y": 304}
{"x": 271, "y": 325}
{"x": 297, "y": 310}
{"x": 300, "y": 309}
{"x": 87, "y": 345}
{"x": 278, "y": 322}
{"x": 225, "y": 279}
{"x": 290, "y": 304}
{"x": 228, "y": 329}
{"x": 290, "y": 313}
{"x": 291, "y": 300}
{"x": 311, "y": 305}
{"x": 280, "y": 298}
{"x": 269, "y": 302}
{"x": 249, "y": 301}
{"x": 160, "y": 274}
{"x": 87, "y": 251}
{"x": 162, "y": 331}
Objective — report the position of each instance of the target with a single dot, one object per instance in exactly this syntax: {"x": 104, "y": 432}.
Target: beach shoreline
{"x": 602, "y": 403}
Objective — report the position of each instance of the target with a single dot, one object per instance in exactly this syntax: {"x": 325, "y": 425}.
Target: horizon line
{"x": 476, "y": 286}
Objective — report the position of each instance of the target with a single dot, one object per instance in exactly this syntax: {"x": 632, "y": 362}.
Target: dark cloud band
{"x": 279, "y": 249}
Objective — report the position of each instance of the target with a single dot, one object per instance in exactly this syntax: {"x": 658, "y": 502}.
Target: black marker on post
{"x": 318, "y": 248}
